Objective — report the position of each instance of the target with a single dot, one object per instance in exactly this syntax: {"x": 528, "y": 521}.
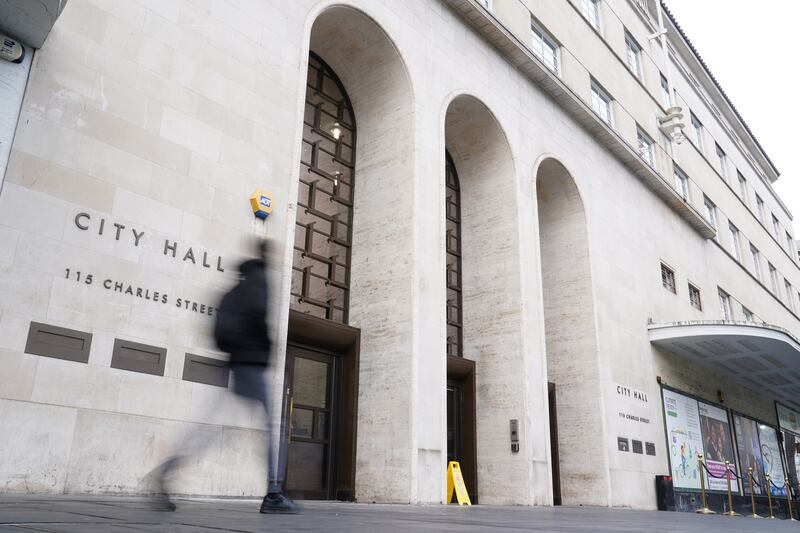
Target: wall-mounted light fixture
{"x": 336, "y": 130}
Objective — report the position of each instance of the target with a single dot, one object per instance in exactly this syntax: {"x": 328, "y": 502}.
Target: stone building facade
{"x": 492, "y": 216}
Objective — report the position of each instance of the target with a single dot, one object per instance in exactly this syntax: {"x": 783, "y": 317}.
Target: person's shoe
{"x": 278, "y": 504}
{"x": 161, "y": 502}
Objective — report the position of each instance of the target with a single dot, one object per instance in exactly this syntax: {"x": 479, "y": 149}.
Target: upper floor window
{"x": 789, "y": 293}
{"x": 544, "y": 47}
{"x": 760, "y": 208}
{"x": 668, "y": 278}
{"x": 776, "y": 225}
{"x": 756, "y": 258}
{"x": 723, "y": 161}
{"x": 665, "y": 99}
{"x": 725, "y": 305}
{"x": 681, "y": 183}
{"x": 748, "y": 314}
{"x": 486, "y": 3}
{"x": 734, "y": 233}
{"x": 789, "y": 243}
{"x": 697, "y": 133}
{"x": 601, "y": 102}
{"x": 633, "y": 51}
{"x": 591, "y": 10}
{"x": 711, "y": 211}
{"x": 694, "y": 297}
{"x": 742, "y": 186}
{"x": 645, "y": 147}
{"x": 773, "y": 278}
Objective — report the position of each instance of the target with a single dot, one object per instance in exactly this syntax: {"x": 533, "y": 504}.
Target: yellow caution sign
{"x": 456, "y": 481}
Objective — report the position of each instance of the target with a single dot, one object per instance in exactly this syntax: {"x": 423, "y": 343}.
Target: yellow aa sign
{"x": 456, "y": 481}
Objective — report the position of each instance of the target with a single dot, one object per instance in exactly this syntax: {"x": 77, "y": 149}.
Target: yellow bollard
{"x": 730, "y": 512}
{"x": 789, "y": 498}
{"x": 752, "y": 494}
{"x": 705, "y": 509}
{"x": 769, "y": 497}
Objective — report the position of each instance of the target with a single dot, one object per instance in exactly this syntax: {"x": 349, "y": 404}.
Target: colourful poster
{"x": 771, "y": 456}
{"x": 718, "y": 447}
{"x": 749, "y": 446}
{"x": 684, "y": 439}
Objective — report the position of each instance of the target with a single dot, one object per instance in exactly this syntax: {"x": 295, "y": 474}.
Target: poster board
{"x": 771, "y": 458}
{"x": 718, "y": 446}
{"x": 748, "y": 445}
{"x": 788, "y": 419}
{"x": 684, "y": 438}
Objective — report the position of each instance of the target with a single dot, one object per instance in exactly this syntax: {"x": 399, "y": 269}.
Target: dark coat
{"x": 241, "y": 326}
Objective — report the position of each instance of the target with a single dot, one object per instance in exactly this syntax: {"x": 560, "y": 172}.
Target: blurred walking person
{"x": 241, "y": 331}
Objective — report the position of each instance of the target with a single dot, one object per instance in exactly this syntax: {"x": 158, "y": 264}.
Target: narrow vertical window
{"x": 697, "y": 133}
{"x": 734, "y": 234}
{"x": 591, "y": 10}
{"x": 681, "y": 183}
{"x": 645, "y": 147}
{"x": 455, "y": 329}
{"x": 755, "y": 257}
{"x": 773, "y": 278}
{"x": 711, "y": 211}
{"x": 748, "y": 314}
{"x": 723, "y": 162}
{"x": 742, "y": 187}
{"x": 323, "y": 232}
{"x": 776, "y": 226}
{"x": 668, "y": 278}
{"x": 725, "y": 305}
{"x": 665, "y": 99}
{"x": 789, "y": 292}
{"x": 544, "y": 47}
{"x": 694, "y": 297}
{"x": 601, "y": 102}
{"x": 633, "y": 52}
{"x": 760, "y": 209}
{"x": 789, "y": 243}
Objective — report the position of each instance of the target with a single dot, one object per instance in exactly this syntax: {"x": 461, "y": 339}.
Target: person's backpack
{"x": 228, "y": 325}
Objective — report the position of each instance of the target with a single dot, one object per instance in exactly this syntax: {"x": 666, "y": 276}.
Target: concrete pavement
{"x": 109, "y": 514}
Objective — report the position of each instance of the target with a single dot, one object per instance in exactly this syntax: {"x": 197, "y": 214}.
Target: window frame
{"x": 743, "y": 188}
{"x": 697, "y": 132}
{"x": 681, "y": 183}
{"x": 725, "y": 304}
{"x": 591, "y": 12}
{"x": 601, "y": 95}
{"x": 641, "y": 136}
{"x": 773, "y": 278}
{"x": 736, "y": 245}
{"x": 693, "y": 289}
{"x": 760, "y": 209}
{"x": 668, "y": 278}
{"x": 755, "y": 257}
{"x": 538, "y": 31}
{"x": 633, "y": 53}
{"x": 711, "y": 211}
{"x": 666, "y": 96}
{"x": 787, "y": 285}
{"x": 723, "y": 161}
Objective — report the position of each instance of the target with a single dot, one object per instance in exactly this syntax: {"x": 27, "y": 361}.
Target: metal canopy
{"x": 761, "y": 357}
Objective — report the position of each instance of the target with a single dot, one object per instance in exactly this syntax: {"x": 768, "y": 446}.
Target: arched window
{"x": 455, "y": 334}
{"x": 323, "y": 236}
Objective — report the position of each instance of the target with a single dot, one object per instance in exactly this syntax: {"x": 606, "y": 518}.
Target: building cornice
{"x": 519, "y": 55}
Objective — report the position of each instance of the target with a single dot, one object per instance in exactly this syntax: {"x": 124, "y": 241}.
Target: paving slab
{"x": 110, "y": 514}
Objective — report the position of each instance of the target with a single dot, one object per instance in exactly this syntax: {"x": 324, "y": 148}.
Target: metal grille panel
{"x": 321, "y": 264}
{"x": 455, "y": 323}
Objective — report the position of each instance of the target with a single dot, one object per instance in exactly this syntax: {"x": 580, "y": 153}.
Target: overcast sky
{"x": 753, "y": 49}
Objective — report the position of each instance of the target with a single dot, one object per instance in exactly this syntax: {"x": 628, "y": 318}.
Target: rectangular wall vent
{"x": 137, "y": 357}
{"x": 205, "y": 370}
{"x": 60, "y": 343}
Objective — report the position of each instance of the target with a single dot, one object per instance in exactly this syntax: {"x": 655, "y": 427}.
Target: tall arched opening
{"x": 580, "y": 473}
{"x": 348, "y": 366}
{"x": 484, "y": 351}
